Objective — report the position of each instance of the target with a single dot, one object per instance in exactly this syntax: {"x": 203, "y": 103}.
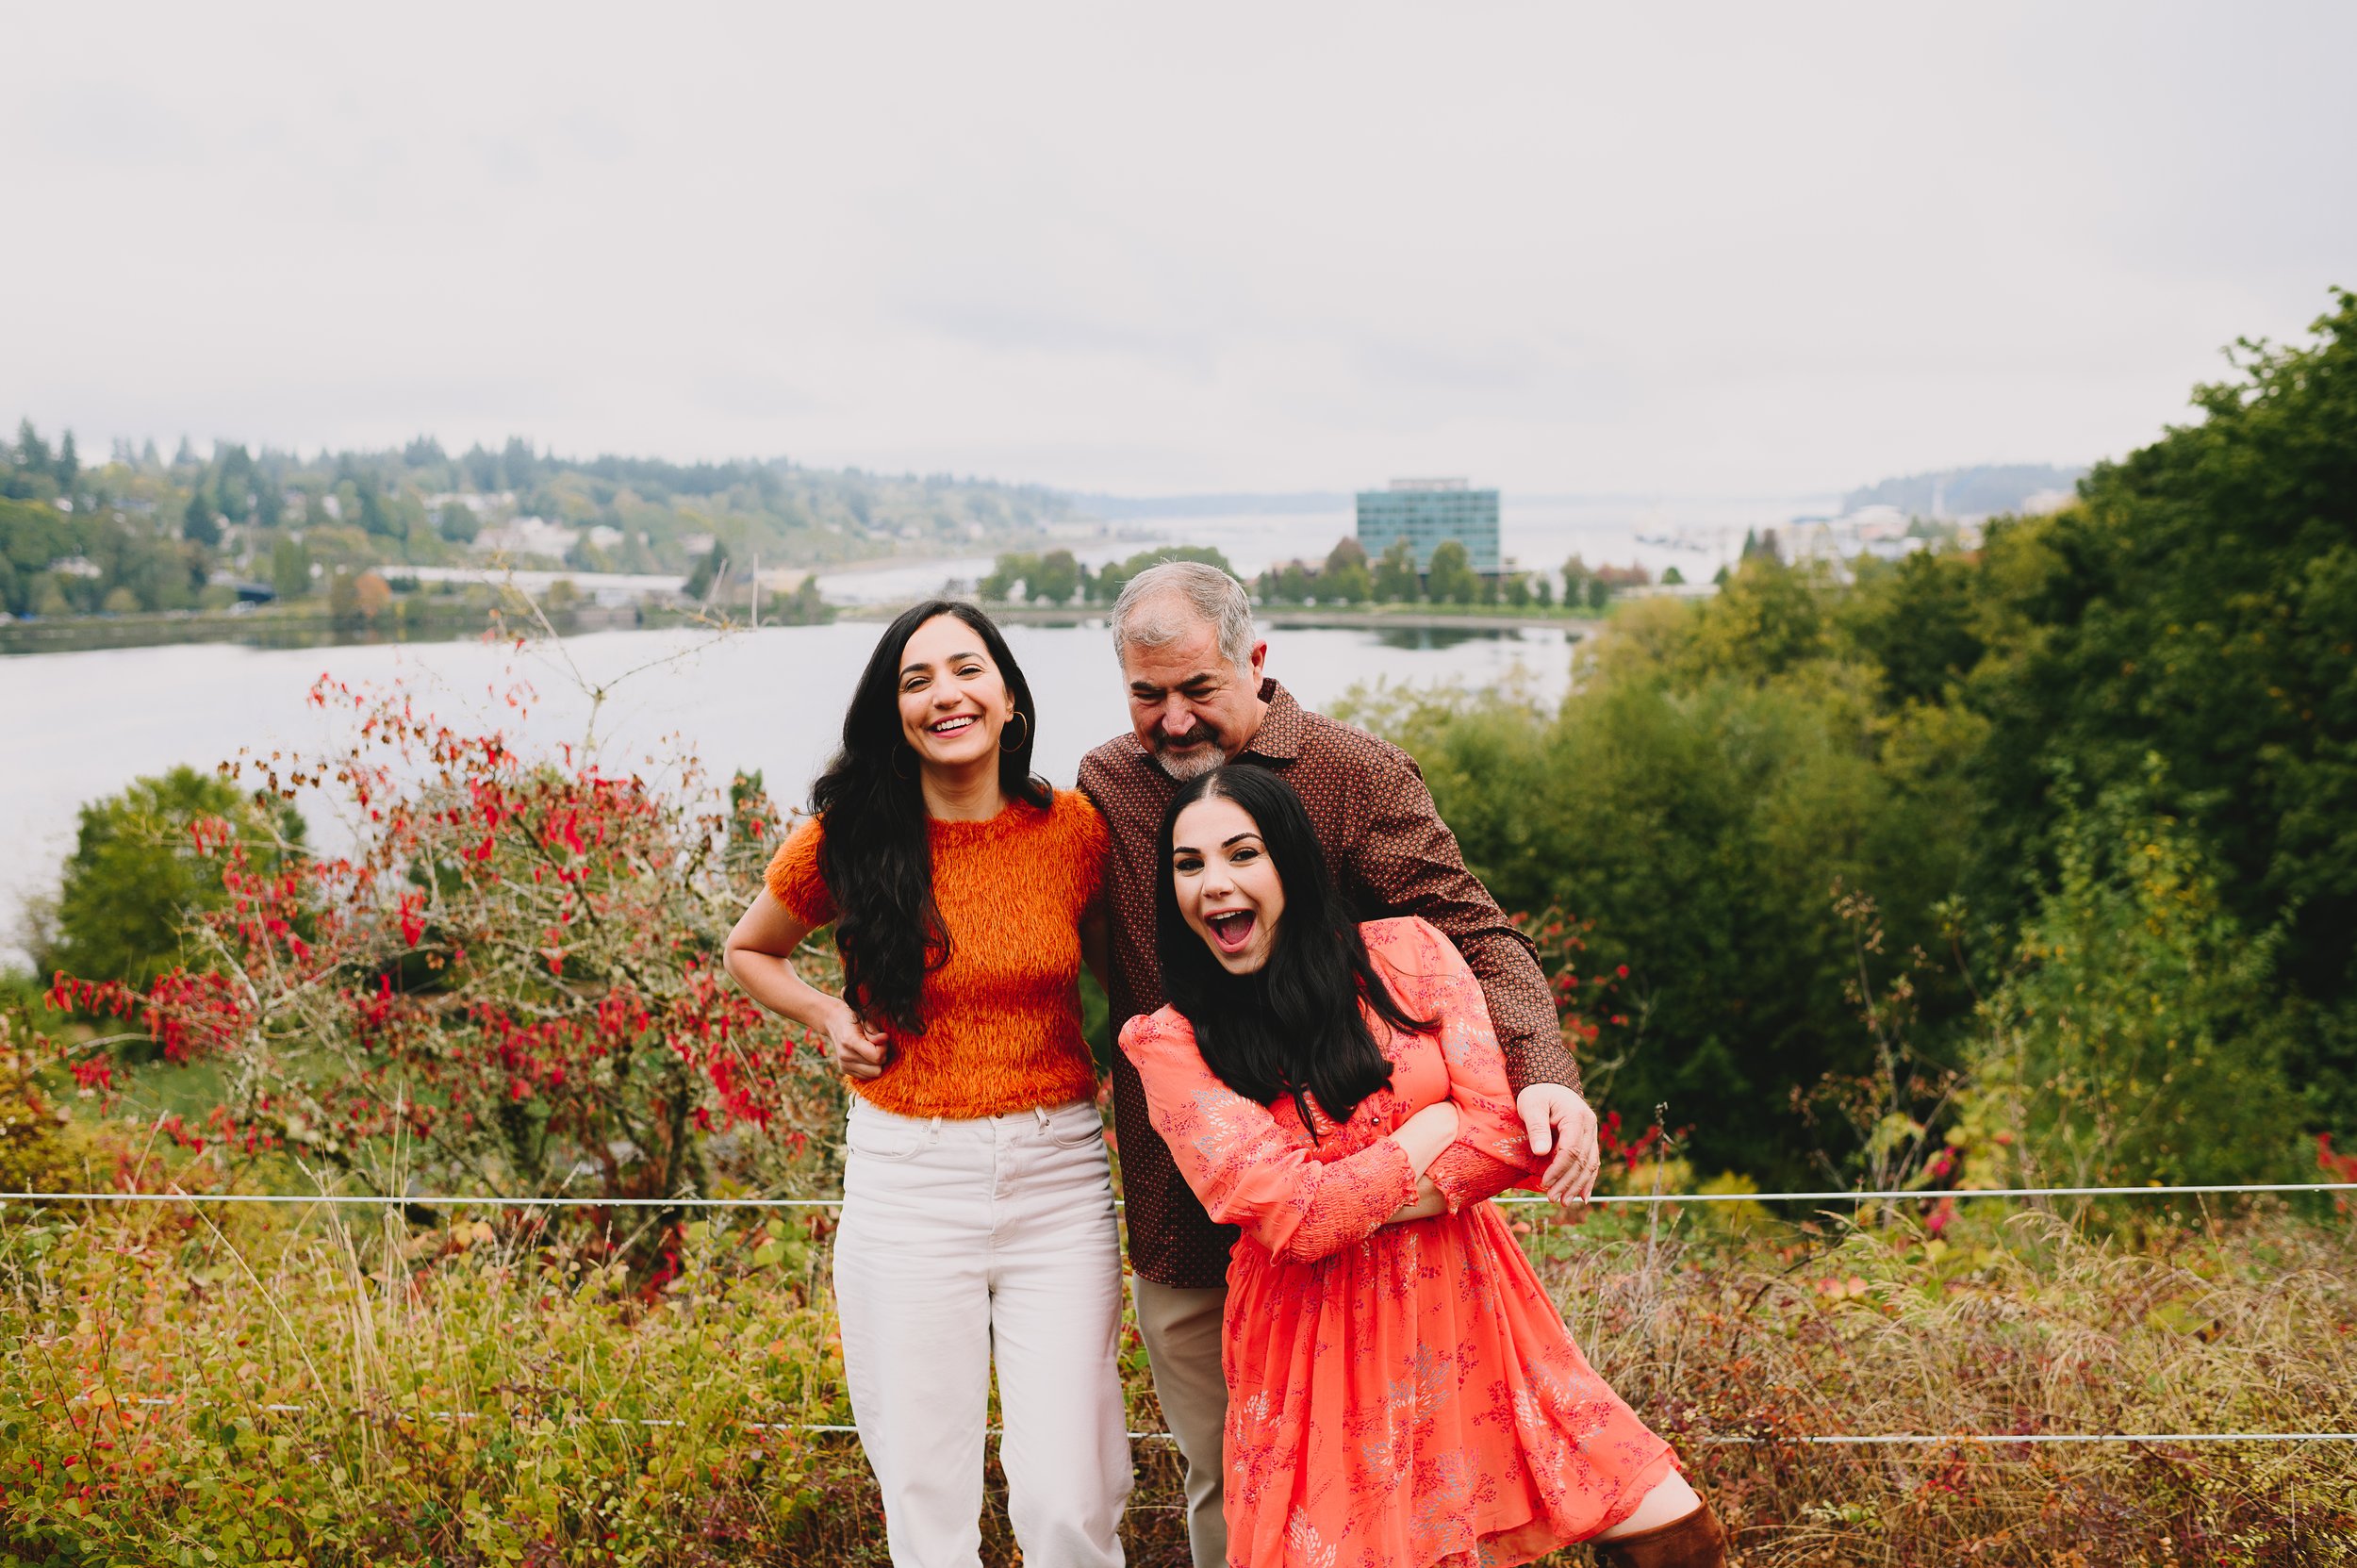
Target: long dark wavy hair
{"x": 874, "y": 851}
{"x": 1293, "y": 1029}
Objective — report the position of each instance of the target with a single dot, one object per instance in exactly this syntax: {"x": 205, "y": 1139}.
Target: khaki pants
{"x": 1181, "y": 1333}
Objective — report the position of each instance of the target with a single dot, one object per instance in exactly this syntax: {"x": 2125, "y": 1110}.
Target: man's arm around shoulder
{"x": 1411, "y": 862}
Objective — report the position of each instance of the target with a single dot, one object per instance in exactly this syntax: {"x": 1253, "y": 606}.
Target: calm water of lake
{"x": 80, "y": 725}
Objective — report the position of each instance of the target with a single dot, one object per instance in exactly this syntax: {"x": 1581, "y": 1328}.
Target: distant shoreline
{"x": 448, "y": 621}
{"x": 1404, "y": 617}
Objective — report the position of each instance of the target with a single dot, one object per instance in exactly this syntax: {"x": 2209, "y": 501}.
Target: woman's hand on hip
{"x": 858, "y": 1051}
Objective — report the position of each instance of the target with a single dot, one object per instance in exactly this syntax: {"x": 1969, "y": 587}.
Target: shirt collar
{"x": 1279, "y": 739}
{"x": 1282, "y": 728}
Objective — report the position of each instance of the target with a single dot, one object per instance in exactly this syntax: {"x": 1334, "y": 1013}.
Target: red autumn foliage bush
{"x": 510, "y": 984}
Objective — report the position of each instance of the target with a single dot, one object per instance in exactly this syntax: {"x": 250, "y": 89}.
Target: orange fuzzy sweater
{"x": 1002, "y": 1016}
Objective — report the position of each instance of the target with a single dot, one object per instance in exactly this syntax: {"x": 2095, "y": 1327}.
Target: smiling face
{"x": 1227, "y": 887}
{"x": 1191, "y": 707}
{"x": 953, "y": 701}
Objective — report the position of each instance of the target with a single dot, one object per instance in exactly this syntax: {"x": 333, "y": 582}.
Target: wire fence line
{"x": 1832, "y": 1440}
{"x": 1721, "y": 1440}
{"x": 487, "y": 1200}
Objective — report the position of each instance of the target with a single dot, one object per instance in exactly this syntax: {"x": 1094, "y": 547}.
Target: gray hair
{"x": 1164, "y": 603}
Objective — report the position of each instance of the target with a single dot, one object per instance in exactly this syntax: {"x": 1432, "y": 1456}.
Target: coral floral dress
{"x": 1402, "y": 1396}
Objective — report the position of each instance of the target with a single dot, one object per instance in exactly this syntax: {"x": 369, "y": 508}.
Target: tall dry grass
{"x": 2015, "y": 1322}
{"x": 326, "y": 1389}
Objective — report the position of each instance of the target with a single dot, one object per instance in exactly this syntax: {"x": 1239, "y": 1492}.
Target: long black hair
{"x": 873, "y": 852}
{"x": 1293, "y": 1028}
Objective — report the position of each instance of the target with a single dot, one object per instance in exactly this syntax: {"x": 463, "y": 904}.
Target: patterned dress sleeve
{"x": 793, "y": 877}
{"x": 1241, "y": 1164}
{"x": 1492, "y": 1151}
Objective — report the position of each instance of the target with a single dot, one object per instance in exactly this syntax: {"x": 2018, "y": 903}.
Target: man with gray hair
{"x": 1191, "y": 662}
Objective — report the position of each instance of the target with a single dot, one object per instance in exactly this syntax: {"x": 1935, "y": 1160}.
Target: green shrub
{"x": 2141, "y": 1037}
{"x": 139, "y": 872}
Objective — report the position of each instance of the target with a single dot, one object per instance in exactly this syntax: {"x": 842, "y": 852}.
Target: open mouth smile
{"x": 1231, "y": 929}
{"x": 954, "y": 725}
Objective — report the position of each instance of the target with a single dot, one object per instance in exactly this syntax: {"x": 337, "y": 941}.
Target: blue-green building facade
{"x": 1426, "y": 513}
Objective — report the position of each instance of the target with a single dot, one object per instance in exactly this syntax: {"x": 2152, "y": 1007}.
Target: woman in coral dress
{"x": 1401, "y": 1390}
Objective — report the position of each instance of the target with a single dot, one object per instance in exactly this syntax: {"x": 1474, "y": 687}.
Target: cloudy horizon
{"x": 1709, "y": 251}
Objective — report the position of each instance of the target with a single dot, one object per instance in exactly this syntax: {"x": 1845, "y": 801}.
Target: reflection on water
{"x": 82, "y": 724}
{"x": 1425, "y": 639}
{"x": 90, "y": 633}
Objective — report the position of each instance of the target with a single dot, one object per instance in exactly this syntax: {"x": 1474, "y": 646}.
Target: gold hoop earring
{"x": 1004, "y": 744}
{"x": 897, "y": 752}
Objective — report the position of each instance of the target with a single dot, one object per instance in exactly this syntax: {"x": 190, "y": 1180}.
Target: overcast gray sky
{"x": 1673, "y": 249}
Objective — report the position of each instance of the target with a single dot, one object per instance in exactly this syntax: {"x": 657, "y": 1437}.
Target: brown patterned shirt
{"x": 1391, "y": 855}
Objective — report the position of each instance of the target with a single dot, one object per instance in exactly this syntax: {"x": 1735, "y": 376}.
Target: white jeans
{"x": 962, "y": 1241}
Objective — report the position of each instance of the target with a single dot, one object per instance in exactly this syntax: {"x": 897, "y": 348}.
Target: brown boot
{"x": 1693, "y": 1542}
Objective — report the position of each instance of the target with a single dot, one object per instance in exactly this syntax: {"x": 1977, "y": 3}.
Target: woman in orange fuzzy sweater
{"x": 977, "y": 1216}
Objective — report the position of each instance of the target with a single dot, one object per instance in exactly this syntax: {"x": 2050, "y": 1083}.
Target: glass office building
{"x": 1425, "y": 512}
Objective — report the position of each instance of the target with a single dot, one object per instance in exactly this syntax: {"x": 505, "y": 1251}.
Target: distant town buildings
{"x": 530, "y": 537}
{"x": 1428, "y": 513}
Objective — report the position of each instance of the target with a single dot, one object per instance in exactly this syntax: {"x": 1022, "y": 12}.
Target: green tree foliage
{"x": 1057, "y": 578}
{"x": 2176, "y": 647}
{"x": 1012, "y": 569}
{"x": 1576, "y": 580}
{"x": 1289, "y": 583}
{"x": 67, "y": 563}
{"x": 707, "y": 573}
{"x": 1106, "y": 584}
{"x": 1450, "y": 579}
{"x": 1702, "y": 815}
{"x": 343, "y": 594}
{"x": 199, "y": 524}
{"x": 168, "y": 526}
{"x": 137, "y": 872}
{"x": 2141, "y": 1037}
{"x": 289, "y": 569}
{"x": 1345, "y": 578}
{"x": 1395, "y": 576}
{"x": 2197, "y": 604}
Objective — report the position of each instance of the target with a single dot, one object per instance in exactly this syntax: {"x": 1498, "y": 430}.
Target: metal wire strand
{"x": 687, "y": 1200}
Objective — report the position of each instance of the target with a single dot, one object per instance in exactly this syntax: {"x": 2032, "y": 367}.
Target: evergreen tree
{"x": 32, "y": 453}
{"x": 197, "y": 523}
